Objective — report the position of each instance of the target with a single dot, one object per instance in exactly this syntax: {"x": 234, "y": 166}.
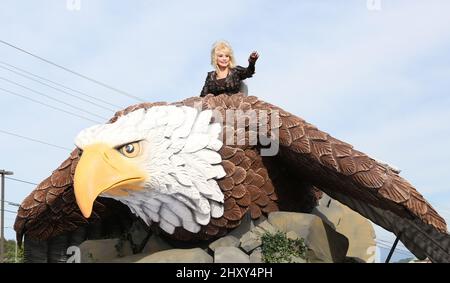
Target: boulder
{"x": 195, "y": 255}
{"x": 266, "y": 226}
{"x": 250, "y": 241}
{"x": 323, "y": 242}
{"x": 258, "y": 231}
{"x": 104, "y": 250}
{"x": 322, "y": 238}
{"x": 358, "y": 230}
{"x": 227, "y": 241}
{"x": 291, "y": 235}
{"x": 256, "y": 256}
{"x": 230, "y": 255}
{"x": 297, "y": 259}
{"x": 245, "y": 226}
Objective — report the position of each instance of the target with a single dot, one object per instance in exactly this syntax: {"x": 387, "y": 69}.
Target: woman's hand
{"x": 253, "y": 57}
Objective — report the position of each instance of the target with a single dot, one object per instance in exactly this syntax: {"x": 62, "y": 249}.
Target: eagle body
{"x": 194, "y": 170}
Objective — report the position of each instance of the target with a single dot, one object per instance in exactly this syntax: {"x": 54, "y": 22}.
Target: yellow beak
{"x": 103, "y": 169}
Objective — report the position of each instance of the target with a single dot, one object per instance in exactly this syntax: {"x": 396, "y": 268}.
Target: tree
{"x": 10, "y": 252}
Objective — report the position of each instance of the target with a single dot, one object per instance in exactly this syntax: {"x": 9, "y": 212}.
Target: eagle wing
{"x": 367, "y": 186}
{"x": 372, "y": 189}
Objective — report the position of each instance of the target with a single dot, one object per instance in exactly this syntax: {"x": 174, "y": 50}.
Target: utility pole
{"x": 2, "y": 217}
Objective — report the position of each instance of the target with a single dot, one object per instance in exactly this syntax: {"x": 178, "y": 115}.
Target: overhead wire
{"x": 56, "y": 83}
{"x": 12, "y": 203}
{"x": 52, "y": 98}
{"x": 48, "y": 105}
{"x": 396, "y": 250}
{"x": 389, "y": 244}
{"x": 60, "y": 90}
{"x": 22, "y": 181}
{"x": 71, "y": 71}
{"x": 34, "y": 140}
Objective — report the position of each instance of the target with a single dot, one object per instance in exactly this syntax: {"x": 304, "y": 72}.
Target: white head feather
{"x": 180, "y": 156}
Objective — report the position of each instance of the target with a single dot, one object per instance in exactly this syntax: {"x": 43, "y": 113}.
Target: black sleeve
{"x": 246, "y": 72}
{"x": 205, "y": 89}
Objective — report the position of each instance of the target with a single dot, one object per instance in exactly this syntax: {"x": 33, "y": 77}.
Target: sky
{"x": 371, "y": 73}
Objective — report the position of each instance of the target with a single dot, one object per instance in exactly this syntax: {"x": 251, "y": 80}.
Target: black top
{"x": 229, "y": 85}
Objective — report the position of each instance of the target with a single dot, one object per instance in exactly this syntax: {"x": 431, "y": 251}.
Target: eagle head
{"x": 162, "y": 162}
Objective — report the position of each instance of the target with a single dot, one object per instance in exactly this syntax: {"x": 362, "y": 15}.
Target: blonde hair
{"x": 224, "y": 47}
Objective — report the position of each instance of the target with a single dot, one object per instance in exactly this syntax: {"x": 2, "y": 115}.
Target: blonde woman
{"x": 227, "y": 77}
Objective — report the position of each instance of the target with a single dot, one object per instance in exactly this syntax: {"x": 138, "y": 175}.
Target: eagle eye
{"x": 130, "y": 149}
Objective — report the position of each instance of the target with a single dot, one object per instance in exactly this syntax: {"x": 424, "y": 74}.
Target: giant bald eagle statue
{"x": 195, "y": 174}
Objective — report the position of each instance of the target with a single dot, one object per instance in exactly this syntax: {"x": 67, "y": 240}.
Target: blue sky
{"x": 377, "y": 79}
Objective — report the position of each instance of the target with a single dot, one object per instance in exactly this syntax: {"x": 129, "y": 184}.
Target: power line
{"x": 10, "y": 211}
{"x": 53, "y": 82}
{"x": 22, "y": 181}
{"x": 12, "y": 203}
{"x": 390, "y": 243}
{"x": 390, "y": 246}
{"x": 399, "y": 253}
{"x": 387, "y": 241}
{"x": 396, "y": 250}
{"x": 48, "y": 105}
{"x": 34, "y": 140}
{"x": 60, "y": 90}
{"x": 73, "y": 72}
{"x": 52, "y": 98}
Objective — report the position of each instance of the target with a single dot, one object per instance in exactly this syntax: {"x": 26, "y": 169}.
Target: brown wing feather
{"x": 247, "y": 178}
{"x": 370, "y": 177}
{"x": 51, "y": 209}
{"x": 338, "y": 169}
{"x": 332, "y": 155}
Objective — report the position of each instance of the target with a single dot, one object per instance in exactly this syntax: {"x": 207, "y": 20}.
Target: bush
{"x": 277, "y": 248}
{"x": 10, "y": 252}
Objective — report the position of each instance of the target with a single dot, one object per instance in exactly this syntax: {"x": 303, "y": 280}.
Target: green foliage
{"x": 10, "y": 252}
{"x": 277, "y": 248}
